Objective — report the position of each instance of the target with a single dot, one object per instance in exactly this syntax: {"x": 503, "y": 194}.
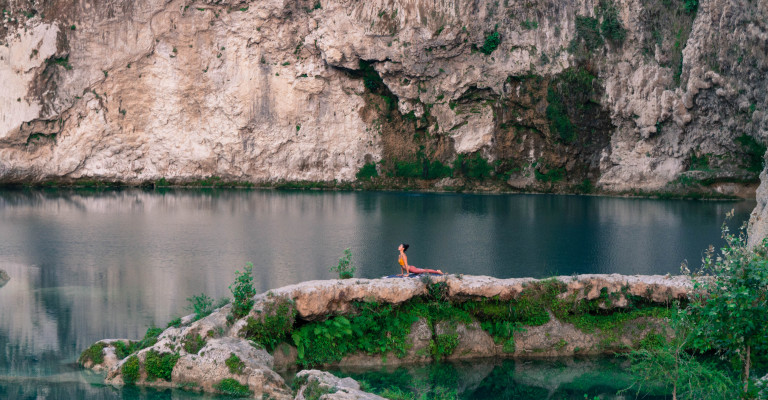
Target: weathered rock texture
{"x": 628, "y": 94}
{"x": 202, "y": 348}
{"x": 325, "y": 386}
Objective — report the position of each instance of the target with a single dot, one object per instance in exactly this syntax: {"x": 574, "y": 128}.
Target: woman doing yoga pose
{"x": 410, "y": 269}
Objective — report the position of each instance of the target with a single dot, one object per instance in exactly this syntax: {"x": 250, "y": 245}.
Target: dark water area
{"x": 88, "y": 265}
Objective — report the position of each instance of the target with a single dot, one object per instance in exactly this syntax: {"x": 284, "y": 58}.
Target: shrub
{"x": 94, "y": 354}
{"x": 755, "y": 152}
{"x": 366, "y": 172}
{"x": 232, "y": 387}
{"x": 176, "y": 322}
{"x": 438, "y": 170}
{"x": 160, "y": 365}
{"x": 150, "y": 338}
{"x": 235, "y": 364}
{"x": 130, "y": 370}
{"x": 588, "y": 32}
{"x": 201, "y": 305}
{"x": 345, "y": 268}
{"x": 276, "y": 322}
{"x": 474, "y": 167}
{"x": 729, "y": 301}
{"x": 444, "y": 345}
{"x": 123, "y": 350}
{"x": 243, "y": 292}
{"x": 611, "y": 28}
{"x": 492, "y": 42}
{"x": 193, "y": 343}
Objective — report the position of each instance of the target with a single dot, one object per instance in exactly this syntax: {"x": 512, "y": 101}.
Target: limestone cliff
{"x": 618, "y": 95}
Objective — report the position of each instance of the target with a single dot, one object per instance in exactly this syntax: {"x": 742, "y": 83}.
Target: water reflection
{"x": 564, "y": 378}
{"x": 107, "y": 264}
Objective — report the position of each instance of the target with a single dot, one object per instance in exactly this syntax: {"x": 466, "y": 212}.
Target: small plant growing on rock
{"x": 233, "y": 388}
{"x": 160, "y": 365}
{"x": 122, "y": 349}
{"x": 276, "y": 322}
{"x": 130, "y": 370}
{"x": 193, "y": 343}
{"x": 201, "y": 305}
{"x": 93, "y": 354}
{"x": 235, "y": 364}
{"x": 243, "y": 292}
{"x": 492, "y": 41}
{"x": 345, "y": 268}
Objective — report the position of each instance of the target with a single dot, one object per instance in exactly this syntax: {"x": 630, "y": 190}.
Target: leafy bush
{"x": 492, "y": 42}
{"x": 176, "y": 322}
{"x": 730, "y": 300}
{"x": 276, "y": 322}
{"x": 201, "y": 305}
{"x": 755, "y": 152}
{"x": 130, "y": 370}
{"x": 150, "y": 338}
{"x": 437, "y": 170}
{"x": 123, "y": 350}
{"x": 444, "y": 345}
{"x": 93, "y": 354}
{"x": 344, "y": 268}
{"x": 235, "y": 364}
{"x": 160, "y": 365}
{"x": 243, "y": 292}
{"x": 691, "y": 6}
{"x": 588, "y": 32}
{"x": 193, "y": 343}
{"x": 366, "y": 172}
{"x": 474, "y": 167}
{"x": 371, "y": 79}
{"x": 232, "y": 387}
{"x": 611, "y": 27}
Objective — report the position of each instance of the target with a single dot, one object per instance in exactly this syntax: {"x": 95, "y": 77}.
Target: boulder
{"x": 325, "y": 386}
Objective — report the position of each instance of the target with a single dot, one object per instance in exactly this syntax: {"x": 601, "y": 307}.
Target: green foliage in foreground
{"x": 344, "y": 268}
{"x": 730, "y": 300}
{"x": 232, "y": 387}
{"x": 160, "y": 365}
{"x": 243, "y": 291}
{"x": 668, "y": 362}
{"x": 130, "y": 370}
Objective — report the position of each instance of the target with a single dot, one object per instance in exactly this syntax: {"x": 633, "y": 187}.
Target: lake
{"x": 90, "y": 264}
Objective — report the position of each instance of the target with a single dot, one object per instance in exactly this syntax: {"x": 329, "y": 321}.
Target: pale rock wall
{"x": 266, "y": 91}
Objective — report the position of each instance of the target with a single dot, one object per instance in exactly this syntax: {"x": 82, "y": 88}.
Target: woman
{"x": 406, "y": 269}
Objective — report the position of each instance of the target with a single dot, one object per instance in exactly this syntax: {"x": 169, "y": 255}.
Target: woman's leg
{"x": 415, "y": 270}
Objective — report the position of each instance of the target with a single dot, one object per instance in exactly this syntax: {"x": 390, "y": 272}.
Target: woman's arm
{"x": 405, "y": 265}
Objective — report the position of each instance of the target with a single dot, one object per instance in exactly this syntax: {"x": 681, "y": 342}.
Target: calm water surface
{"x": 91, "y": 265}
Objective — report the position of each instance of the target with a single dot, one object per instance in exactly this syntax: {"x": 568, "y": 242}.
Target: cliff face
{"x": 624, "y": 95}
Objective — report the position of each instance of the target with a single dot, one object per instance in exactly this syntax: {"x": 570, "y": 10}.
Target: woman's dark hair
{"x": 405, "y": 246}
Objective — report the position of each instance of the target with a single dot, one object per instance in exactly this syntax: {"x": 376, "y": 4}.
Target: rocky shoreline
{"x": 451, "y": 317}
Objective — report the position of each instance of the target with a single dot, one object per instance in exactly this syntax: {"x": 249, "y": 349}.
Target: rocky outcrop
{"x": 318, "y": 299}
{"x": 576, "y": 95}
{"x": 456, "y": 317}
{"x": 325, "y": 386}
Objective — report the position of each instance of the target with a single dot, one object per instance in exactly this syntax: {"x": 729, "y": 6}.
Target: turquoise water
{"x": 87, "y": 265}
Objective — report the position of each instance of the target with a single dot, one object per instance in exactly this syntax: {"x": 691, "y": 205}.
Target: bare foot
{"x": 439, "y": 271}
